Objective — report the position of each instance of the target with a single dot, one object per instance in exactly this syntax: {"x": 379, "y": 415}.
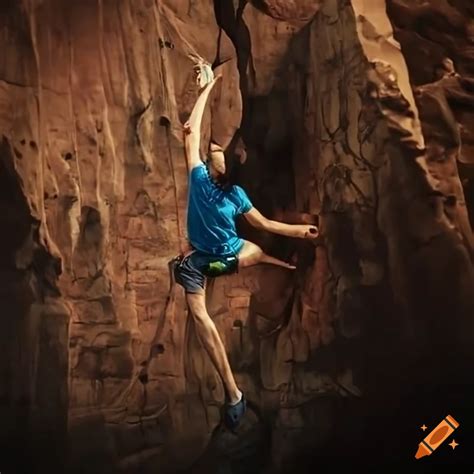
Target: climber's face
{"x": 217, "y": 161}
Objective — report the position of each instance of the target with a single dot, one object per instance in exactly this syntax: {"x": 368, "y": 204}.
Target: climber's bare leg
{"x": 252, "y": 254}
{"x": 212, "y": 343}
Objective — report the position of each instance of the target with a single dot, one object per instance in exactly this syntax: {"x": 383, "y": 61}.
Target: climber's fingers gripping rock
{"x": 204, "y": 74}
{"x": 304, "y": 231}
{"x": 213, "y": 82}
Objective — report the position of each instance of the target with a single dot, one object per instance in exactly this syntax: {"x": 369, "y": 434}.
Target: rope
{"x": 174, "y": 40}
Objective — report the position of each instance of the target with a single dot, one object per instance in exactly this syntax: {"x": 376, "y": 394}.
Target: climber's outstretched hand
{"x": 304, "y": 231}
{"x": 213, "y": 82}
{"x": 203, "y": 72}
{"x": 193, "y": 125}
{"x": 192, "y": 128}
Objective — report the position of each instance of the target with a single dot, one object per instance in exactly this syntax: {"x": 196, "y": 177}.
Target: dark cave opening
{"x": 33, "y": 367}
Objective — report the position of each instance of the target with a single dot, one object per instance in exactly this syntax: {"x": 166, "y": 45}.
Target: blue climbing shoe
{"x": 234, "y": 413}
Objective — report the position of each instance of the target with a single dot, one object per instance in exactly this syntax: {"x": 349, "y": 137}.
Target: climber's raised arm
{"x": 303, "y": 231}
{"x": 192, "y": 128}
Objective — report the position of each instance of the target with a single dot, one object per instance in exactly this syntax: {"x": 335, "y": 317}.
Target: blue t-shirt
{"x": 212, "y": 213}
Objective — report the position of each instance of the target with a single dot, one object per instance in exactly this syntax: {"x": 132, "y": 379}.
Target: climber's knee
{"x": 197, "y": 303}
{"x": 250, "y": 254}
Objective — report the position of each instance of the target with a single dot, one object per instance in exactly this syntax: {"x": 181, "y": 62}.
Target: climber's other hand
{"x": 304, "y": 231}
{"x": 312, "y": 232}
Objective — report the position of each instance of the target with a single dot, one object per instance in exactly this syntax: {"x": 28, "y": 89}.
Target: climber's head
{"x": 216, "y": 164}
{"x": 216, "y": 158}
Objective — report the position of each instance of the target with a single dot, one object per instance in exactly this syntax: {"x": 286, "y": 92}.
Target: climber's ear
{"x": 214, "y": 147}
{"x": 217, "y": 157}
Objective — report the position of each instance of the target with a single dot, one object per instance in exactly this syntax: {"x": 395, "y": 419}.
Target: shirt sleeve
{"x": 198, "y": 173}
{"x": 243, "y": 202}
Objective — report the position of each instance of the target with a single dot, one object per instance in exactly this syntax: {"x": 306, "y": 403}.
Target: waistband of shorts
{"x": 224, "y": 250}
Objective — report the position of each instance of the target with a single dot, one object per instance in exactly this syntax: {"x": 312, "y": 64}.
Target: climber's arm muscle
{"x": 257, "y": 220}
{"x": 192, "y": 150}
{"x": 192, "y": 128}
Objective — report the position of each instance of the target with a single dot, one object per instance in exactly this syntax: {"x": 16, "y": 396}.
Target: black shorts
{"x": 191, "y": 271}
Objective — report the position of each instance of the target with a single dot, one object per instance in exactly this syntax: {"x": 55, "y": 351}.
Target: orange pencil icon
{"x": 437, "y": 436}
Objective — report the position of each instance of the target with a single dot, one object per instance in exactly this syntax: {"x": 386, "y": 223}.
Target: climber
{"x": 215, "y": 248}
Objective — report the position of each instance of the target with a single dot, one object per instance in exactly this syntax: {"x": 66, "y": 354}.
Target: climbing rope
{"x": 204, "y": 75}
{"x": 170, "y": 38}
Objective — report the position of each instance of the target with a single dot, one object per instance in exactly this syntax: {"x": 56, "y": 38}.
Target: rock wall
{"x": 441, "y": 73}
{"x": 318, "y": 115}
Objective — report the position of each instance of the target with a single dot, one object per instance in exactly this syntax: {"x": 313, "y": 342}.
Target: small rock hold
{"x": 164, "y": 121}
{"x": 68, "y": 156}
{"x": 450, "y": 200}
{"x": 166, "y": 44}
{"x": 143, "y": 377}
{"x": 33, "y": 144}
{"x": 240, "y": 302}
{"x": 157, "y": 349}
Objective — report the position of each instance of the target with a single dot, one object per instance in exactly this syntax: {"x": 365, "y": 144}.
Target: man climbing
{"x": 213, "y": 206}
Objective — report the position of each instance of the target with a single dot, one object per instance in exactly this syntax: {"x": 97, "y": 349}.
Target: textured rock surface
{"x": 331, "y": 128}
{"x": 292, "y": 9}
{"x": 441, "y": 73}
